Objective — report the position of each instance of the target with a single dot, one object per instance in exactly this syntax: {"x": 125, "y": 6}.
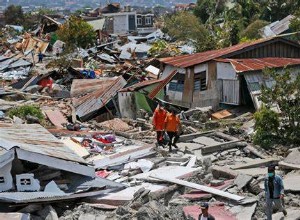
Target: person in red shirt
{"x": 159, "y": 117}
{"x": 172, "y": 126}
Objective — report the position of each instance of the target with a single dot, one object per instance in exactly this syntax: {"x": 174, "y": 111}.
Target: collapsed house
{"x": 203, "y": 81}
{"x": 35, "y": 165}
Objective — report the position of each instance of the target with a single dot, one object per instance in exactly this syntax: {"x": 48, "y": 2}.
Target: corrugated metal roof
{"x": 246, "y": 65}
{"x": 198, "y": 58}
{"x": 96, "y": 100}
{"x": 82, "y": 87}
{"x": 35, "y": 138}
{"x": 140, "y": 85}
{"x": 161, "y": 85}
{"x": 277, "y": 27}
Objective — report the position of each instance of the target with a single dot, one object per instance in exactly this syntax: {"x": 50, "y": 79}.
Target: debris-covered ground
{"x": 67, "y": 152}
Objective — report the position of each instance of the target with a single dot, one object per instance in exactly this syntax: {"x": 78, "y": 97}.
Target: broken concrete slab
{"x": 223, "y": 172}
{"x": 189, "y": 146}
{"x": 168, "y": 172}
{"x": 293, "y": 157}
{"x": 242, "y": 180}
{"x": 207, "y": 141}
{"x": 126, "y": 195}
{"x": 222, "y": 146}
{"x": 190, "y": 137}
{"x": 243, "y": 212}
{"x": 291, "y": 181}
{"x": 254, "y": 151}
{"x": 255, "y": 172}
{"x": 219, "y": 212}
{"x": 257, "y": 163}
{"x": 288, "y": 166}
{"x": 292, "y": 214}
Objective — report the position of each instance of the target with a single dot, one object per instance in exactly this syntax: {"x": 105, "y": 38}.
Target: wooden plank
{"x": 257, "y": 163}
{"x": 200, "y": 187}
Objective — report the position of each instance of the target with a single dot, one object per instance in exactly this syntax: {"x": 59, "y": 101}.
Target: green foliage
{"x": 186, "y": 27}
{"x": 286, "y": 94}
{"x": 266, "y": 127}
{"x": 76, "y": 33}
{"x": 24, "y": 110}
{"x": 252, "y": 31}
{"x": 161, "y": 48}
{"x": 14, "y": 15}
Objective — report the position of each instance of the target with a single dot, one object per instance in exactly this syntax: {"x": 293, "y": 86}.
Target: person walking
{"x": 159, "y": 117}
{"x": 40, "y": 56}
{"x": 172, "y": 125}
{"x": 204, "y": 212}
{"x": 274, "y": 191}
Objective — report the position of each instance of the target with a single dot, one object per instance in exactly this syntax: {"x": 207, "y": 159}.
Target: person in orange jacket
{"x": 172, "y": 126}
{"x": 159, "y": 117}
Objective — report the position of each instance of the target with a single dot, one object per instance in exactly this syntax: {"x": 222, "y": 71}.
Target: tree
{"x": 76, "y": 33}
{"x": 285, "y": 93}
{"x": 252, "y": 32}
{"x": 14, "y": 15}
{"x": 186, "y": 27}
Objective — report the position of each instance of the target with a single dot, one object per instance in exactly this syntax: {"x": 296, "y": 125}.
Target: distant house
{"x": 202, "y": 79}
{"x": 121, "y": 22}
{"x": 145, "y": 23}
{"x": 277, "y": 27}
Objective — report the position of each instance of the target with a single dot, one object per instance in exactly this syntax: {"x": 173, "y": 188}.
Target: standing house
{"x": 121, "y": 22}
{"x": 203, "y": 81}
{"x": 145, "y": 23}
{"x": 248, "y": 76}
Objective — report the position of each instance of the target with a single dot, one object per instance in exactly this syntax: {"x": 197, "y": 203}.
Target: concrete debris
{"x": 242, "y": 180}
{"x": 77, "y": 139}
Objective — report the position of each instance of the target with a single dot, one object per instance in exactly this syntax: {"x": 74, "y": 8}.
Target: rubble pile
{"x": 79, "y": 143}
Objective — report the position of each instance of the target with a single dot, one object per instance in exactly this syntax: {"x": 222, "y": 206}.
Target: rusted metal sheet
{"x": 56, "y": 118}
{"x": 82, "y": 87}
{"x": 140, "y": 85}
{"x": 94, "y": 101}
{"x": 35, "y": 138}
{"x": 198, "y": 58}
{"x": 161, "y": 85}
{"x": 247, "y": 65}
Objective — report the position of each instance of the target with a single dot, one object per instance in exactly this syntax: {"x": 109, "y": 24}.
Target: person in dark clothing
{"x": 40, "y": 56}
{"x": 274, "y": 191}
{"x": 205, "y": 215}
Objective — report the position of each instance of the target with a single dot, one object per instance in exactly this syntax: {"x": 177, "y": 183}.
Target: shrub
{"x": 24, "y": 110}
{"x": 266, "y": 126}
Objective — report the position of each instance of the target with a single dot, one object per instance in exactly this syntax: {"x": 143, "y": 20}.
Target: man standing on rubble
{"x": 159, "y": 117}
{"x": 205, "y": 215}
{"x": 172, "y": 125}
{"x": 274, "y": 190}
